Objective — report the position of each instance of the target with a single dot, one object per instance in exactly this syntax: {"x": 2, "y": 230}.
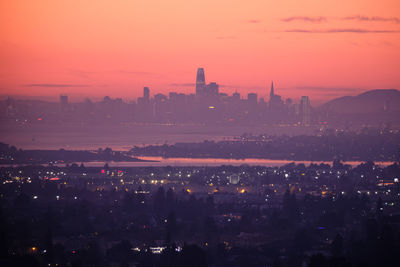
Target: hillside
{"x": 374, "y": 101}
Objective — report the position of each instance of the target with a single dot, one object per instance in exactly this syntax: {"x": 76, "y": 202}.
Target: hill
{"x": 374, "y": 101}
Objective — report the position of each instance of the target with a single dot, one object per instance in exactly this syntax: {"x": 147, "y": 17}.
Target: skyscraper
{"x": 305, "y": 110}
{"x": 236, "y": 96}
{"x": 275, "y": 101}
{"x": 252, "y": 99}
{"x": 200, "y": 81}
{"x": 146, "y": 93}
{"x": 63, "y": 103}
{"x": 212, "y": 89}
{"x": 271, "y": 93}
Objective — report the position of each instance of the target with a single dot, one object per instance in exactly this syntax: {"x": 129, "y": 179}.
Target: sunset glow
{"x": 84, "y": 49}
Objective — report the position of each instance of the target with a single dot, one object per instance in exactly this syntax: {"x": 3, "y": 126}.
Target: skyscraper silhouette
{"x": 63, "y": 103}
{"x": 305, "y": 110}
{"x": 252, "y": 99}
{"x": 275, "y": 101}
{"x": 212, "y": 89}
{"x": 200, "y": 81}
{"x": 146, "y": 93}
{"x": 271, "y": 93}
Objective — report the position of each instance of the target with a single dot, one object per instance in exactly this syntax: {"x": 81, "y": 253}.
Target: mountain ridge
{"x": 372, "y": 101}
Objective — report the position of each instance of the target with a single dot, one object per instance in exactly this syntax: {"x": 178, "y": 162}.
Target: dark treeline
{"x": 12, "y": 155}
{"x": 376, "y": 146}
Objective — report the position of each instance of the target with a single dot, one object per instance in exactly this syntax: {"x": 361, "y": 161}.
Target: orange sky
{"x": 103, "y": 47}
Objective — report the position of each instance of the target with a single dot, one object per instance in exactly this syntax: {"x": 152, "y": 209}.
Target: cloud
{"x": 56, "y": 85}
{"x": 86, "y": 74}
{"x": 220, "y": 86}
{"x": 305, "y": 18}
{"x": 327, "y": 89}
{"x": 135, "y": 72}
{"x": 80, "y": 73}
{"x": 254, "y": 21}
{"x": 360, "y": 18}
{"x": 373, "y": 18}
{"x": 226, "y": 37}
{"x": 183, "y": 84}
{"x": 339, "y": 30}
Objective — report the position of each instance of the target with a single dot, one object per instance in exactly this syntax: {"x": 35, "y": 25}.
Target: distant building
{"x": 305, "y": 110}
{"x": 63, "y": 103}
{"x": 160, "y": 98}
{"x": 200, "y": 81}
{"x": 212, "y": 89}
{"x": 234, "y": 179}
{"x": 236, "y": 96}
{"x": 146, "y": 93}
{"x": 275, "y": 101}
{"x": 272, "y": 92}
{"x": 252, "y": 98}
{"x": 145, "y": 111}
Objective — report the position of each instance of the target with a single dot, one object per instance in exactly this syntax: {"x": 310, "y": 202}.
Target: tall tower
{"x": 305, "y": 110}
{"x": 200, "y": 81}
{"x": 146, "y": 93}
{"x": 272, "y": 93}
{"x": 252, "y": 98}
{"x": 63, "y": 103}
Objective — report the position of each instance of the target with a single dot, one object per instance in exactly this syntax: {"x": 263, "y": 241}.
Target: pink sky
{"x": 96, "y": 48}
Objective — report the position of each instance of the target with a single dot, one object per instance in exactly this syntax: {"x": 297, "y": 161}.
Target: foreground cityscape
{"x": 294, "y": 215}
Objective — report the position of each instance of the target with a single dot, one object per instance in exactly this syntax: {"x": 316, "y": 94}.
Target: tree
{"x": 171, "y": 226}
{"x": 159, "y": 200}
{"x": 337, "y": 246}
{"x": 193, "y": 256}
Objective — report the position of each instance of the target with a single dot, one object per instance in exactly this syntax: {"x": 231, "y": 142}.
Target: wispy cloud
{"x": 135, "y": 72}
{"x": 81, "y": 73}
{"x": 86, "y": 74}
{"x": 340, "y": 30}
{"x": 55, "y": 85}
{"x": 220, "y": 85}
{"x": 328, "y": 89}
{"x": 226, "y": 37}
{"x": 372, "y": 18}
{"x": 182, "y": 84}
{"x": 254, "y": 21}
{"x": 360, "y": 18}
{"x": 305, "y": 18}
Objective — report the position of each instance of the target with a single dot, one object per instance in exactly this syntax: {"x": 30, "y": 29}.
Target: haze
{"x": 323, "y": 49}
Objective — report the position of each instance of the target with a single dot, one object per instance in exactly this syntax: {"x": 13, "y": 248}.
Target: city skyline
{"x": 200, "y": 89}
{"x": 318, "y": 49}
{"x": 197, "y": 88}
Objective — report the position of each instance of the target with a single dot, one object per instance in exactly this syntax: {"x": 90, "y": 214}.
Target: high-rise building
{"x": 145, "y": 109}
{"x": 275, "y": 101}
{"x": 252, "y": 98}
{"x": 212, "y": 89}
{"x": 63, "y": 103}
{"x": 271, "y": 93}
{"x": 305, "y": 110}
{"x": 200, "y": 81}
{"x": 236, "y": 96}
{"x": 146, "y": 93}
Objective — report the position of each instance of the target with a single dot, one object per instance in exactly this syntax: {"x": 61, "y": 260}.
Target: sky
{"x": 86, "y": 48}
